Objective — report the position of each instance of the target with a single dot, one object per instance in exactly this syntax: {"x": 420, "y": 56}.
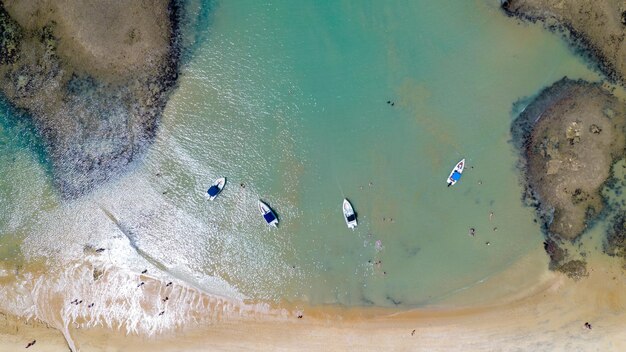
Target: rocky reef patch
{"x": 615, "y": 242}
{"x": 596, "y": 29}
{"x": 569, "y": 137}
{"x": 94, "y": 78}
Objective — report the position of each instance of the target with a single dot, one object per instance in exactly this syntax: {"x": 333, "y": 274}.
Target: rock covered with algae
{"x": 569, "y": 137}
{"x": 597, "y": 29}
{"x": 93, "y": 77}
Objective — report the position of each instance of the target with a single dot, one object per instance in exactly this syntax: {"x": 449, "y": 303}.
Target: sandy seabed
{"x": 523, "y": 308}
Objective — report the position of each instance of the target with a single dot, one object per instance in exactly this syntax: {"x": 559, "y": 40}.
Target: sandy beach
{"x": 547, "y": 315}
{"x": 373, "y": 102}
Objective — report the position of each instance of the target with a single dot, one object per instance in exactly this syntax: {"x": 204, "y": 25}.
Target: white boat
{"x": 456, "y": 173}
{"x": 268, "y": 214}
{"x": 216, "y": 188}
{"x": 348, "y": 214}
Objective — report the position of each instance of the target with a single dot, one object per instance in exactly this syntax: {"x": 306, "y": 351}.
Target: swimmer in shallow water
{"x": 472, "y": 231}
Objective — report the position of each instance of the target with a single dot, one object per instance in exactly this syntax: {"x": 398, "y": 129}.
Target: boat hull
{"x": 218, "y": 185}
{"x": 456, "y": 173}
{"x": 349, "y": 215}
{"x": 268, "y": 214}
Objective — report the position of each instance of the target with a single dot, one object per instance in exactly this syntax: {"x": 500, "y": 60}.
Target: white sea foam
{"x": 113, "y": 298}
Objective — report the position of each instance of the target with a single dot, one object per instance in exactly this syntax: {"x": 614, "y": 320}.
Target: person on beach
{"x": 31, "y": 343}
{"x": 141, "y": 284}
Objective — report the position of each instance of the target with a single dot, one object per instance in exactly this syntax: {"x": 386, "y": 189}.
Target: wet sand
{"x": 547, "y": 315}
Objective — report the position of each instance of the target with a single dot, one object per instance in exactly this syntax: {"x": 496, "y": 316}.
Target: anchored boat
{"x": 216, "y": 188}
{"x": 268, "y": 214}
{"x": 349, "y": 215}
{"x": 456, "y": 173}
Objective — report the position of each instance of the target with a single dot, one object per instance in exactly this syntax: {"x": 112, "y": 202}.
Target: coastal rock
{"x": 615, "y": 243}
{"x": 10, "y": 39}
{"x": 568, "y": 143}
{"x": 574, "y": 269}
{"x": 93, "y": 76}
{"x": 596, "y": 28}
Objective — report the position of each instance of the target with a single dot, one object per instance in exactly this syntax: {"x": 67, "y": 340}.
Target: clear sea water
{"x": 288, "y": 100}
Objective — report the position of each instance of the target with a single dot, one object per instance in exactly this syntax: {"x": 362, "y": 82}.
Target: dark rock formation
{"x": 10, "y": 38}
{"x": 94, "y": 77}
{"x": 569, "y": 137}
{"x": 595, "y": 28}
{"x": 574, "y": 269}
{"x": 615, "y": 243}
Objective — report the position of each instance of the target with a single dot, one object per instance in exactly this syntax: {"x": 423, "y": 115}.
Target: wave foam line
{"x": 81, "y": 295}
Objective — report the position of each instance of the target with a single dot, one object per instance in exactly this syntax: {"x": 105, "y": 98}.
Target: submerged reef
{"x": 569, "y": 136}
{"x": 93, "y": 76}
{"x": 615, "y": 244}
{"x": 595, "y": 28}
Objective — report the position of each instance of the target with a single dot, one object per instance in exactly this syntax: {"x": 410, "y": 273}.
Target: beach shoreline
{"x": 540, "y": 316}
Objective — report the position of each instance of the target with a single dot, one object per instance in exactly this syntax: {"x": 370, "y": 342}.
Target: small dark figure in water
{"x": 91, "y": 305}
{"x": 242, "y": 185}
{"x": 31, "y": 343}
{"x": 144, "y": 271}
{"x": 158, "y": 174}
{"x": 165, "y": 299}
{"x": 74, "y": 301}
{"x": 99, "y": 250}
{"x": 141, "y": 284}
{"x": 169, "y": 284}
{"x": 79, "y": 302}
{"x": 472, "y": 231}
{"x": 162, "y": 312}
{"x": 388, "y": 101}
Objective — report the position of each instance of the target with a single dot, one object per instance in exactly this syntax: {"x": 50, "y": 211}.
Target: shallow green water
{"x": 290, "y": 99}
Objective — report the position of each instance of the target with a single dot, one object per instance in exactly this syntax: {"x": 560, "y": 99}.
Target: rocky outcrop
{"x": 596, "y": 28}
{"x": 93, "y": 76}
{"x": 615, "y": 243}
{"x": 569, "y": 136}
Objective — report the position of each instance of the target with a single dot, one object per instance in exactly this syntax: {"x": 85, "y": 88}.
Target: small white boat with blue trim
{"x": 456, "y": 173}
{"x": 216, "y": 188}
{"x": 268, "y": 214}
{"x": 348, "y": 214}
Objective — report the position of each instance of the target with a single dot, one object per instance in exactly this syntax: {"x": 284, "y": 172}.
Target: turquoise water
{"x": 289, "y": 99}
